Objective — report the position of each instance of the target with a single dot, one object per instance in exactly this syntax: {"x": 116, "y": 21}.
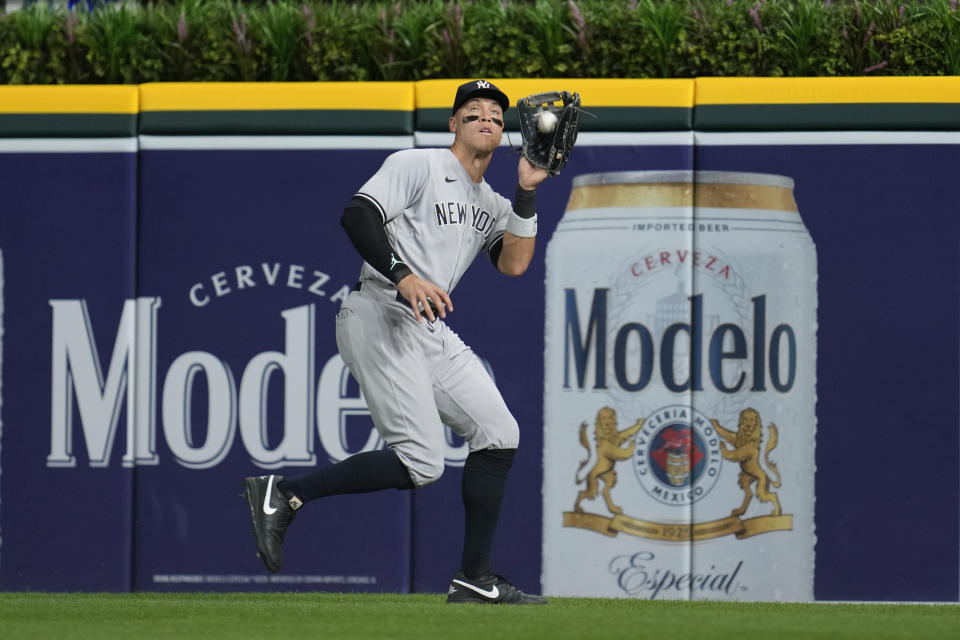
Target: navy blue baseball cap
{"x": 481, "y": 89}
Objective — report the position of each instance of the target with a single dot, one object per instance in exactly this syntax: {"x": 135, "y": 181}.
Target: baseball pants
{"x": 416, "y": 377}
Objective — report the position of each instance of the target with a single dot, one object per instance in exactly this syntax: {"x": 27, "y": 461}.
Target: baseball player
{"x": 418, "y": 223}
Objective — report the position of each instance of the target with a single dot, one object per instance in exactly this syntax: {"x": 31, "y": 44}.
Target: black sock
{"x": 360, "y": 473}
{"x": 484, "y": 483}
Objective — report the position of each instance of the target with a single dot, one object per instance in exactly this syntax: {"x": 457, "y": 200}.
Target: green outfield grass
{"x": 298, "y": 616}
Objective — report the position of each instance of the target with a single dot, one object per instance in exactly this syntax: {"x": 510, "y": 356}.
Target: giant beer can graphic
{"x": 680, "y": 389}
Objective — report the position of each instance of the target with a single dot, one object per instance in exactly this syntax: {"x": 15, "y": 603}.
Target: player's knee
{"x": 509, "y": 435}
{"x": 427, "y": 472}
{"x": 423, "y": 466}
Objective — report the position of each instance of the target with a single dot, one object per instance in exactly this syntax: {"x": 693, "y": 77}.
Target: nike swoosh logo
{"x": 449, "y": 179}
{"x": 267, "y": 509}
{"x": 492, "y": 593}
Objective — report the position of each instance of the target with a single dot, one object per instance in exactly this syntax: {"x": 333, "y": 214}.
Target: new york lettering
{"x": 450, "y": 213}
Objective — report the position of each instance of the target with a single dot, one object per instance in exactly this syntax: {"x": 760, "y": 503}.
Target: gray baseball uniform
{"x": 415, "y": 376}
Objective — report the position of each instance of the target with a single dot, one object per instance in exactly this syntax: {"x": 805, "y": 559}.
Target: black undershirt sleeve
{"x": 495, "y": 249}
{"x": 364, "y": 226}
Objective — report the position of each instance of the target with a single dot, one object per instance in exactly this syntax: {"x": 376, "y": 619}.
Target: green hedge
{"x": 296, "y": 40}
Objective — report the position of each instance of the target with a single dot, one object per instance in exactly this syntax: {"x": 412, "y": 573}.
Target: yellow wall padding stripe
{"x": 69, "y": 99}
{"x": 240, "y": 96}
{"x": 911, "y": 89}
{"x": 435, "y": 94}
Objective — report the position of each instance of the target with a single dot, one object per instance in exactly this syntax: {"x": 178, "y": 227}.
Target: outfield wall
{"x": 170, "y": 266}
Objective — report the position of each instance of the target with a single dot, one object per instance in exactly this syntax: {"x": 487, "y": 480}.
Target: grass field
{"x": 298, "y": 616}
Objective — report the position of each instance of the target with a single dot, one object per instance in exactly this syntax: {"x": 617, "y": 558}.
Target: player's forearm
{"x": 516, "y": 254}
{"x": 519, "y": 239}
{"x": 365, "y": 229}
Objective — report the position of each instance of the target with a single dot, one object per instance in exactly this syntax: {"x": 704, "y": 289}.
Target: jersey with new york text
{"x": 436, "y": 218}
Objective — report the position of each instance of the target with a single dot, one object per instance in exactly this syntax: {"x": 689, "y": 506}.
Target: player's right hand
{"x": 421, "y": 294}
{"x": 528, "y": 175}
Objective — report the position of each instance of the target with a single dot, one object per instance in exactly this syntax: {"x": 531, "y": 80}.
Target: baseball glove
{"x": 549, "y": 123}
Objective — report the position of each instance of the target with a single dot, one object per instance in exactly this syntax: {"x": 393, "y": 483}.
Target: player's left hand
{"x": 423, "y": 295}
{"x": 528, "y": 175}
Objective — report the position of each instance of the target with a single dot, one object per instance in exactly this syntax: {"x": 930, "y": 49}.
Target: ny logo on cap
{"x": 483, "y": 84}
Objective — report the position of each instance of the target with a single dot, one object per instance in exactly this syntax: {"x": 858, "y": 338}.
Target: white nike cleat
{"x": 272, "y": 513}
{"x": 488, "y": 589}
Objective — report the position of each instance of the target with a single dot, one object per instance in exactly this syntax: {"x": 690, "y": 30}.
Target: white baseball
{"x": 546, "y": 122}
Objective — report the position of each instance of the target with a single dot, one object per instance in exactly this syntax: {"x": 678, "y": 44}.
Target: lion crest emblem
{"x": 611, "y": 447}
{"x": 677, "y": 457}
{"x": 745, "y": 443}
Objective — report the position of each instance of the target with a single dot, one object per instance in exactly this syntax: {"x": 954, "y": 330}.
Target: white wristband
{"x": 522, "y": 227}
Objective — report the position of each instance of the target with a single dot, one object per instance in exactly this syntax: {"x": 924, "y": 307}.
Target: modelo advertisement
{"x": 168, "y": 330}
{"x": 735, "y": 358}
{"x": 685, "y": 343}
